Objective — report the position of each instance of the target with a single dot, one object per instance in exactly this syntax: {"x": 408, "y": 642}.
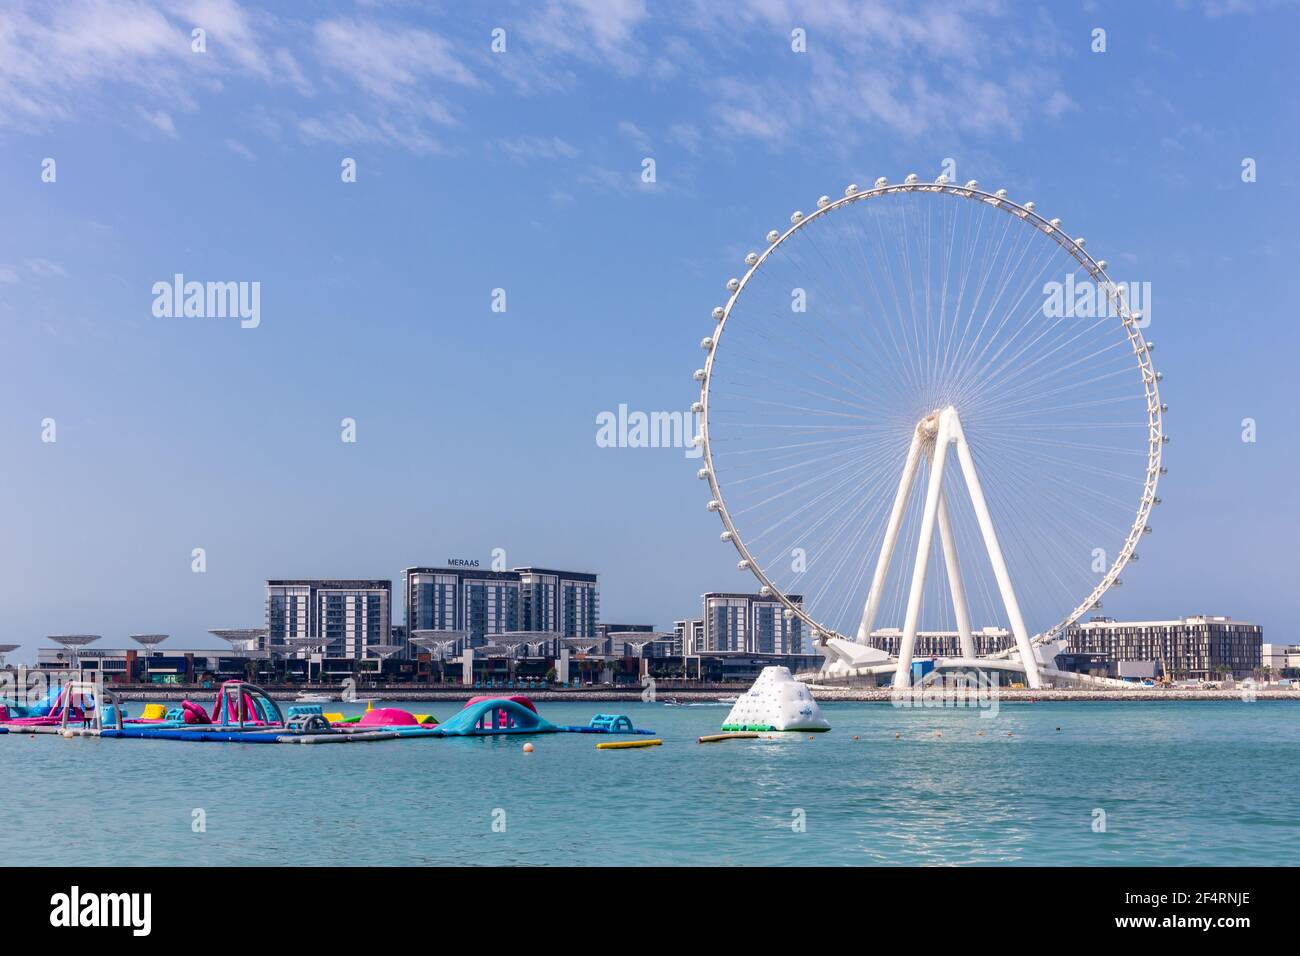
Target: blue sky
{"x": 521, "y": 170}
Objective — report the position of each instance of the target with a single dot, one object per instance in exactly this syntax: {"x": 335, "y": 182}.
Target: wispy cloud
{"x": 390, "y": 62}
{"x": 59, "y": 61}
{"x": 395, "y": 80}
{"x": 525, "y": 149}
{"x": 239, "y": 149}
{"x": 44, "y": 268}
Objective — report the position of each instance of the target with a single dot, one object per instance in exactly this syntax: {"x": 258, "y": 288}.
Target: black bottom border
{"x": 327, "y": 906}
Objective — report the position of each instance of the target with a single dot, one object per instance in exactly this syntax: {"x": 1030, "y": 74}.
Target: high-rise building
{"x": 1193, "y": 647}
{"x": 751, "y": 622}
{"x": 347, "y": 616}
{"x": 479, "y": 603}
{"x": 688, "y": 636}
{"x": 484, "y": 603}
{"x": 566, "y": 602}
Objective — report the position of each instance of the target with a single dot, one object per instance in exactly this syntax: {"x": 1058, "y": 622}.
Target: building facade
{"x": 566, "y": 602}
{"x": 610, "y": 645}
{"x": 751, "y": 623}
{"x": 987, "y": 640}
{"x": 485, "y": 603}
{"x": 1199, "y": 647}
{"x": 346, "y": 616}
{"x": 688, "y": 636}
{"x": 1282, "y": 660}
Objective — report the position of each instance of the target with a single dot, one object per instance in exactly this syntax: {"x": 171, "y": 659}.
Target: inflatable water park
{"x": 244, "y": 713}
{"x": 776, "y": 702}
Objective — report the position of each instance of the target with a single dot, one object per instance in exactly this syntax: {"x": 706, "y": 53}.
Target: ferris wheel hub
{"x": 928, "y": 427}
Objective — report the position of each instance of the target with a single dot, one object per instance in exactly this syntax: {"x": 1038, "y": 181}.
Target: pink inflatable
{"x": 194, "y": 714}
{"x": 387, "y": 717}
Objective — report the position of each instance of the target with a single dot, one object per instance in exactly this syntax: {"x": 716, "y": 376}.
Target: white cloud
{"x": 871, "y": 65}
{"x": 60, "y": 61}
{"x": 636, "y": 134}
{"x": 44, "y": 268}
{"x": 686, "y": 136}
{"x": 390, "y": 63}
{"x": 159, "y": 120}
{"x": 348, "y": 129}
{"x": 592, "y": 30}
{"x": 239, "y": 149}
{"x": 524, "y": 149}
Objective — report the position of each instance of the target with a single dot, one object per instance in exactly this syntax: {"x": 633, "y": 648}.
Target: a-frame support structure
{"x": 932, "y": 437}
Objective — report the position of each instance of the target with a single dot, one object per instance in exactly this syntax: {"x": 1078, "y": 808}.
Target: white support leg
{"x": 1008, "y": 593}
{"x": 955, "y": 585}
{"x": 870, "y": 609}
{"x": 903, "y": 676}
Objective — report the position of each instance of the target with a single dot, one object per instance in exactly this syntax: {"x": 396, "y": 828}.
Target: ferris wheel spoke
{"x": 973, "y": 369}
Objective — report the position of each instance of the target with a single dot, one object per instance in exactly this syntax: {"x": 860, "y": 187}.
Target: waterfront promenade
{"x": 446, "y": 692}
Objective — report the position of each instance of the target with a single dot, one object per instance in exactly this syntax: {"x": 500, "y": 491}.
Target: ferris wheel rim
{"x": 1027, "y": 212}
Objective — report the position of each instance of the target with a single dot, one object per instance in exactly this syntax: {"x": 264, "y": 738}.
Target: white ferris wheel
{"x": 926, "y": 409}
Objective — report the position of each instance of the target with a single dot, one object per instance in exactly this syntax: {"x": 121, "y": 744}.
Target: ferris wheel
{"x": 926, "y": 409}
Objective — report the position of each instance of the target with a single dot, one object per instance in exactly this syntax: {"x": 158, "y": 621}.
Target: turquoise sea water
{"x": 1180, "y": 783}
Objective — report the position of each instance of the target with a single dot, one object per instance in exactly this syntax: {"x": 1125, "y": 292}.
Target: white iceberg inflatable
{"x": 776, "y": 702}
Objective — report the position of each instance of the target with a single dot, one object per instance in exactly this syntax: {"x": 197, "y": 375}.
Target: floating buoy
{"x": 1008, "y": 733}
{"x": 938, "y": 733}
{"x": 528, "y": 748}
{"x": 628, "y": 744}
{"x": 898, "y": 736}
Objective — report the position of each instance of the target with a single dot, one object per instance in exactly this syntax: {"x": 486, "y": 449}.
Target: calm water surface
{"x": 1180, "y": 783}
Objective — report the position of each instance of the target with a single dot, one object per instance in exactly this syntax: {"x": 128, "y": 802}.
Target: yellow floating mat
{"x": 740, "y": 735}
{"x": 334, "y": 718}
{"x": 629, "y": 744}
